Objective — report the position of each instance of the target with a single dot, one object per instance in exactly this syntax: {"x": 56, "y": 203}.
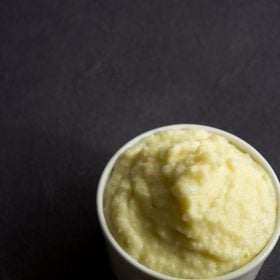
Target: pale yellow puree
{"x": 190, "y": 204}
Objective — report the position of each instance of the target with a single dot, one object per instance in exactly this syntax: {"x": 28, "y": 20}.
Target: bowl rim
{"x": 237, "y": 141}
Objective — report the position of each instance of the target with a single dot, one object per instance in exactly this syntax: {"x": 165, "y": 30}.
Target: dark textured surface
{"x": 80, "y": 78}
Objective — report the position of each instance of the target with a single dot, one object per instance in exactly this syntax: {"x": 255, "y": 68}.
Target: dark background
{"x": 80, "y": 78}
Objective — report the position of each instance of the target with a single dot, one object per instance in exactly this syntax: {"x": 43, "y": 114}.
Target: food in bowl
{"x": 189, "y": 203}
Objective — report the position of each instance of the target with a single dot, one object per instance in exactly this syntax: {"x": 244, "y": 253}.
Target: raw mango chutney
{"x": 190, "y": 204}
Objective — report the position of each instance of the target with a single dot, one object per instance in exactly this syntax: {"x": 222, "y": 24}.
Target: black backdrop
{"x": 80, "y": 78}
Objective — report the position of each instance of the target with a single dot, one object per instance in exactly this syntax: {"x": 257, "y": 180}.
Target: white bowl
{"x": 127, "y": 268}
